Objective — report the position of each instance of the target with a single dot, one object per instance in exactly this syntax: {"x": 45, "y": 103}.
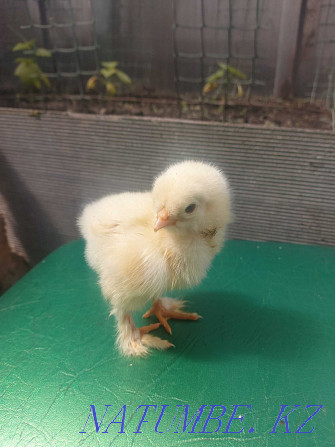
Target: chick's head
{"x": 191, "y": 196}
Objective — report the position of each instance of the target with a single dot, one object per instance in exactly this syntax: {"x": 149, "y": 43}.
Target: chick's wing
{"x": 122, "y": 248}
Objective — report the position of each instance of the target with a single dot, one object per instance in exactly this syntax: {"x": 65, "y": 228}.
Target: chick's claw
{"x": 166, "y": 308}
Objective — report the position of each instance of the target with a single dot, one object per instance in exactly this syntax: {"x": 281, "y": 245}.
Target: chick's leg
{"x": 166, "y": 308}
{"x": 135, "y": 341}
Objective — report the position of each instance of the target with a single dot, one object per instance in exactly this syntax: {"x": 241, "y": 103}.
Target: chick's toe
{"x": 166, "y": 308}
{"x": 150, "y": 327}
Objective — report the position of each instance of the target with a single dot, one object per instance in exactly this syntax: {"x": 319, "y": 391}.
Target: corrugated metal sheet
{"x": 52, "y": 164}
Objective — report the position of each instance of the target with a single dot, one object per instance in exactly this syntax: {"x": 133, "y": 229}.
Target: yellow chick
{"x": 143, "y": 245}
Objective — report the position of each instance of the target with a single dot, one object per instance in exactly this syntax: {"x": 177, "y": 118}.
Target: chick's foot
{"x": 150, "y": 340}
{"x": 134, "y": 341}
{"x": 166, "y": 308}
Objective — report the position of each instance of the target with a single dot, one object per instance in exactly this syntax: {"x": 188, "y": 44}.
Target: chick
{"x": 143, "y": 245}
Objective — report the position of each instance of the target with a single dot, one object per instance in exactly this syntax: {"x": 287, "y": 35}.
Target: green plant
{"x": 107, "y": 76}
{"x": 27, "y": 69}
{"x": 226, "y": 78}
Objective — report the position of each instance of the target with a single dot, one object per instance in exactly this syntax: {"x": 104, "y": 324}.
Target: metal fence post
{"x": 290, "y": 23}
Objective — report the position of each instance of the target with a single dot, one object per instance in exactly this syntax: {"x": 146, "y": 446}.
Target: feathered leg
{"x": 135, "y": 341}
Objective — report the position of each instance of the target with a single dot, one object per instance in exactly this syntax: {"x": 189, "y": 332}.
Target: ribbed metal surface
{"x": 50, "y": 166}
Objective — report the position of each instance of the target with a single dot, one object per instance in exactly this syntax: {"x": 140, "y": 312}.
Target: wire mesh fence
{"x": 226, "y": 33}
{"x": 66, "y": 30}
{"x": 170, "y": 49}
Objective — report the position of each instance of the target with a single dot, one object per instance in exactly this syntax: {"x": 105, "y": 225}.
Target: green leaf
{"x": 110, "y": 64}
{"x": 37, "y": 84}
{"x": 215, "y": 76}
{"x": 234, "y": 72}
{"x": 23, "y": 46}
{"x": 223, "y": 66}
{"x": 110, "y": 87}
{"x": 123, "y": 77}
{"x": 30, "y": 74}
{"x": 22, "y": 71}
{"x": 27, "y": 71}
{"x": 91, "y": 83}
{"x": 237, "y": 73}
{"x": 107, "y": 72}
{"x": 239, "y": 90}
{"x": 42, "y": 52}
{"x": 209, "y": 86}
{"x": 45, "y": 80}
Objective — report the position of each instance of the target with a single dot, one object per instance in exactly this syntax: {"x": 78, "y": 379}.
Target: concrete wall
{"x": 52, "y": 164}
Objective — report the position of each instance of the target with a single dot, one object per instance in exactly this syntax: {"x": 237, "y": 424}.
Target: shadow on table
{"x": 234, "y": 325}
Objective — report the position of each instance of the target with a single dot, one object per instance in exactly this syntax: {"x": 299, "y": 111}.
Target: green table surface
{"x": 266, "y": 340}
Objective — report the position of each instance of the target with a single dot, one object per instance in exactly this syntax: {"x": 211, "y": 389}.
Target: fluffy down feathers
{"x": 145, "y": 244}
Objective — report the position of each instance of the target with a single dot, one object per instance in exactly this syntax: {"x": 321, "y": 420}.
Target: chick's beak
{"x": 163, "y": 220}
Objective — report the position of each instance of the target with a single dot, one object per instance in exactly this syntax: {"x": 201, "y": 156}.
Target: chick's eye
{"x": 190, "y": 208}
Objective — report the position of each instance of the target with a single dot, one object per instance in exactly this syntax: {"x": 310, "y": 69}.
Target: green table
{"x": 266, "y": 341}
